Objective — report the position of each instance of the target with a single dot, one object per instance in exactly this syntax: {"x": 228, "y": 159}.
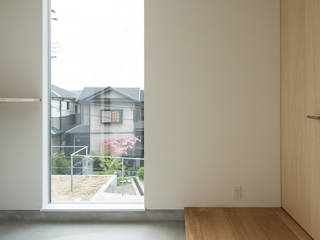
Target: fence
{"x": 81, "y": 163}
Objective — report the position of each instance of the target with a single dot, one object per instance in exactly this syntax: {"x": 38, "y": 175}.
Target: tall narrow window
{"x": 97, "y": 101}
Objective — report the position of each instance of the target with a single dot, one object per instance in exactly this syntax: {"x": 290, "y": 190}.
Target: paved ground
{"x": 117, "y": 195}
{"x": 90, "y": 231}
{"x": 87, "y": 188}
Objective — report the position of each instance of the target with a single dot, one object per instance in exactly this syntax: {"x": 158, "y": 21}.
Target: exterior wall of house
{"x": 91, "y": 116}
{"x": 55, "y": 108}
{"x": 55, "y": 114}
{"x": 55, "y": 122}
{"x": 65, "y": 119}
{"x": 64, "y": 110}
{"x": 100, "y": 131}
{"x": 85, "y": 118}
{"x": 62, "y": 119}
{"x": 68, "y": 122}
{"x": 110, "y": 94}
{"x": 127, "y": 124}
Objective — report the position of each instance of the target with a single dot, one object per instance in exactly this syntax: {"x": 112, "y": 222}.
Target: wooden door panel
{"x": 313, "y": 75}
{"x": 300, "y": 96}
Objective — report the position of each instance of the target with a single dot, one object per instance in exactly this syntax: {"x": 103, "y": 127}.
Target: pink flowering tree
{"x": 112, "y": 148}
{"x": 119, "y": 147}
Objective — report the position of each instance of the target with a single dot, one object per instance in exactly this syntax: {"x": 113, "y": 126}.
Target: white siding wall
{"x": 127, "y": 124}
{"x": 110, "y": 94}
{"x": 96, "y": 127}
{"x": 85, "y": 114}
{"x": 67, "y": 112}
{"x": 55, "y": 108}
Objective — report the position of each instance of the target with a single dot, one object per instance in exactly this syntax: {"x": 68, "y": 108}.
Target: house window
{"x": 115, "y": 116}
{"x": 68, "y": 105}
{"x": 111, "y": 116}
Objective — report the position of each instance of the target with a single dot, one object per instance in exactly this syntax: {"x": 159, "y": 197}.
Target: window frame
{"x": 47, "y": 204}
{"x": 120, "y": 111}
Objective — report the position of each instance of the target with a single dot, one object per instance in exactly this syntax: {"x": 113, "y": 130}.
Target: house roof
{"x": 89, "y": 92}
{"x": 76, "y": 92}
{"x": 79, "y": 129}
{"x": 62, "y": 93}
{"x": 55, "y": 131}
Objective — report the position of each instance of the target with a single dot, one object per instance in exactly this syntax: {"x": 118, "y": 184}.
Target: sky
{"x": 97, "y": 43}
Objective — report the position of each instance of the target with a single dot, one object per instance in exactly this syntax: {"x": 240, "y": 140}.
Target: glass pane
{"x": 97, "y": 101}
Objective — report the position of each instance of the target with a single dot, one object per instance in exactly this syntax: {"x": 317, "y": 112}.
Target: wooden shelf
{"x": 19, "y": 100}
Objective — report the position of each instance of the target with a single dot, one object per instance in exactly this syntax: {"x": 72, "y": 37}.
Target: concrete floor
{"x": 13, "y": 230}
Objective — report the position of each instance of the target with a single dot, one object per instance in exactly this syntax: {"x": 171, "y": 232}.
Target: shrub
{"x": 107, "y": 165}
{"x": 141, "y": 173}
{"x": 105, "y": 173}
{"x": 130, "y": 171}
{"x": 60, "y": 164}
{"x": 112, "y": 164}
{"x": 98, "y": 163}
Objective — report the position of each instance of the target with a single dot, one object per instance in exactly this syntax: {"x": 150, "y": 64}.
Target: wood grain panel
{"x": 241, "y": 224}
{"x": 313, "y": 96}
{"x": 300, "y": 96}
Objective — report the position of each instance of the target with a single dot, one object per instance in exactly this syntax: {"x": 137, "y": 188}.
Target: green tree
{"x": 141, "y": 173}
{"x": 60, "y": 164}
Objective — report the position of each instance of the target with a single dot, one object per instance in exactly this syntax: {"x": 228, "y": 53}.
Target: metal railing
{"x": 71, "y": 163}
{"x": 85, "y": 162}
{"x": 82, "y": 148}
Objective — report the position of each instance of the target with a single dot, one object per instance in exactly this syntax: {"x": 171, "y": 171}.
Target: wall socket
{"x": 236, "y": 193}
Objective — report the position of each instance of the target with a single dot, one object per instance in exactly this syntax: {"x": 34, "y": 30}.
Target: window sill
{"x": 91, "y": 207}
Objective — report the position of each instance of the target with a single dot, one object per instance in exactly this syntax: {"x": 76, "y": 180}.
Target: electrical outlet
{"x": 236, "y": 193}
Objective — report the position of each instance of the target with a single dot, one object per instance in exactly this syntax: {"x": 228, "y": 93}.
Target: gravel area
{"x": 84, "y": 187}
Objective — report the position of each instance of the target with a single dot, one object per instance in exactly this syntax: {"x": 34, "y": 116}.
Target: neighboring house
{"x": 108, "y": 113}
{"x": 65, "y": 114}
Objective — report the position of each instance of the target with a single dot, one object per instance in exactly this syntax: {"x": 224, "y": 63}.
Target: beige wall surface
{"x": 20, "y": 124}
{"x": 212, "y": 102}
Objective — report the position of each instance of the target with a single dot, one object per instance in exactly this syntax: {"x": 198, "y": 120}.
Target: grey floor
{"x": 90, "y": 231}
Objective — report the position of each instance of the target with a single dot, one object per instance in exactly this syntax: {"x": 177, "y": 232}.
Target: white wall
{"x": 212, "y": 101}
{"x": 20, "y": 124}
